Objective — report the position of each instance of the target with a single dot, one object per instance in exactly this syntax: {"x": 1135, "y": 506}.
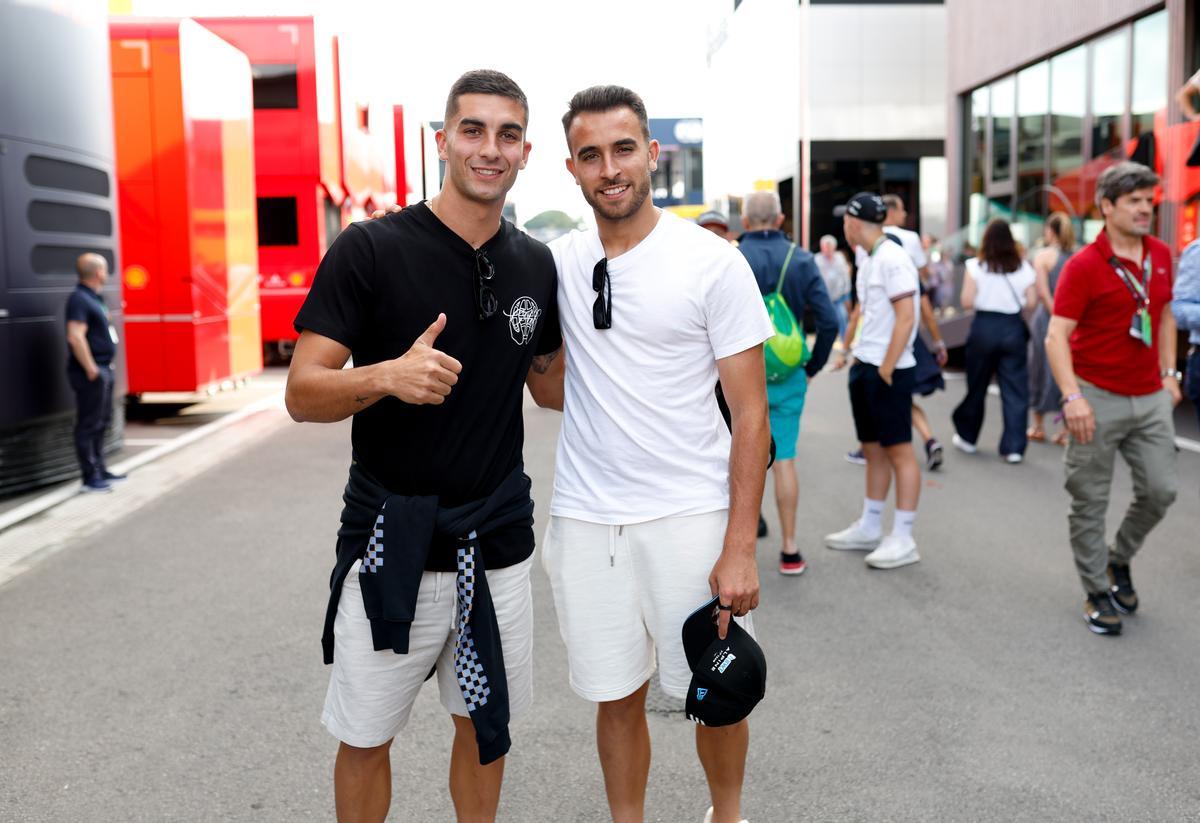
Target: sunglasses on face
{"x": 602, "y": 285}
{"x": 486, "y": 304}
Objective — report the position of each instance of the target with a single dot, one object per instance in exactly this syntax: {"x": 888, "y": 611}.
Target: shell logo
{"x": 136, "y": 277}
{"x": 296, "y": 278}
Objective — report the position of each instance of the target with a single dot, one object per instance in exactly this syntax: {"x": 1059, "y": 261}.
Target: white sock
{"x": 903, "y": 523}
{"x": 872, "y": 516}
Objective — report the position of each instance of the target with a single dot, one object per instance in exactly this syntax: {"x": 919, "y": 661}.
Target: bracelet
{"x": 1177, "y": 375}
{"x": 1070, "y": 398}
{"x": 939, "y": 344}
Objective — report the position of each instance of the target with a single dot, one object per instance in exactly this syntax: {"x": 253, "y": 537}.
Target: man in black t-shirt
{"x": 448, "y": 311}
{"x": 92, "y": 344}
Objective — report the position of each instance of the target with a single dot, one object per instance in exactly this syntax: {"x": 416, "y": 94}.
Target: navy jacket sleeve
{"x": 804, "y": 287}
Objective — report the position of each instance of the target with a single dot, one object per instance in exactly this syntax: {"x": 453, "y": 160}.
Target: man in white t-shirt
{"x": 655, "y": 504}
{"x": 881, "y": 384}
{"x": 893, "y": 224}
{"x": 929, "y": 363}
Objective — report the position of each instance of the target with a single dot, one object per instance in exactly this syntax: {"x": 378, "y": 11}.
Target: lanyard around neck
{"x": 1140, "y": 289}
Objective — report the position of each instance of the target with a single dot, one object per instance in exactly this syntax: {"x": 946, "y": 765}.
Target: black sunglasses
{"x": 602, "y": 285}
{"x": 486, "y": 303}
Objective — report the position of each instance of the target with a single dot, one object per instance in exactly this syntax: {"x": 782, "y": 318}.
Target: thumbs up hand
{"x": 423, "y": 375}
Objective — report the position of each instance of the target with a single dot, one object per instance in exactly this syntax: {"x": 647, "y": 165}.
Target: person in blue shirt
{"x": 1185, "y": 305}
{"x": 766, "y": 248}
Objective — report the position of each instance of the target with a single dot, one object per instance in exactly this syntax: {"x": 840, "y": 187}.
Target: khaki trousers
{"x": 1142, "y": 429}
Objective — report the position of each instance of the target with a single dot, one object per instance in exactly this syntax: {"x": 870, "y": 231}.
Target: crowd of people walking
{"x": 1083, "y": 335}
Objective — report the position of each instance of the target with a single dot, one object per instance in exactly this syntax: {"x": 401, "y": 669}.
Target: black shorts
{"x": 882, "y": 413}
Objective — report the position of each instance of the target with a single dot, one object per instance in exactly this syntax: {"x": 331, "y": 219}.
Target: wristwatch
{"x": 1175, "y": 373}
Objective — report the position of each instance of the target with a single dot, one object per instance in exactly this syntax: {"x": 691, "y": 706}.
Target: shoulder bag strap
{"x": 783, "y": 270}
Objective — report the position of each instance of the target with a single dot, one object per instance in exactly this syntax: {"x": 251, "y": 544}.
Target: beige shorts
{"x": 622, "y": 594}
{"x": 372, "y": 693}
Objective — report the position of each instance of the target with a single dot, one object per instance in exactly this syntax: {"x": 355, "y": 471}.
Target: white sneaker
{"x": 1013, "y": 458}
{"x": 708, "y": 816}
{"x": 894, "y": 551}
{"x": 853, "y": 538}
{"x": 963, "y": 445}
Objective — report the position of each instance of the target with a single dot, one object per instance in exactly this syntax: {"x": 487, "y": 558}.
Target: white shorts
{"x": 371, "y": 693}
{"x": 623, "y": 592}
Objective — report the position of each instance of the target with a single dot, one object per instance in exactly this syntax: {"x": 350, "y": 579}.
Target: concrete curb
{"x": 58, "y": 496}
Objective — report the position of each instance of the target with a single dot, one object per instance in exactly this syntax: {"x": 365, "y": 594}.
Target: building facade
{"x": 1042, "y": 99}
{"x": 823, "y": 99}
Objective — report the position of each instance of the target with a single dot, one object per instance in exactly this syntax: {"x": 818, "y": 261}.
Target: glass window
{"x": 1003, "y": 106}
{"x": 1109, "y": 77}
{"x": 977, "y": 141}
{"x": 695, "y": 181}
{"x": 1033, "y": 106}
{"x": 277, "y": 224}
{"x": 660, "y": 178}
{"x": 1149, "y": 71}
{"x": 333, "y": 221}
{"x": 274, "y": 85}
{"x": 1068, "y": 94}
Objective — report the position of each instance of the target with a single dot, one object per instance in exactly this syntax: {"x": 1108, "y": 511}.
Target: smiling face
{"x": 484, "y": 147}
{"x": 1131, "y": 213}
{"x": 611, "y": 161}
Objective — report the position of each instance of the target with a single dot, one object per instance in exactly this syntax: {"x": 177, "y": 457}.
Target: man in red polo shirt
{"x": 1111, "y": 347}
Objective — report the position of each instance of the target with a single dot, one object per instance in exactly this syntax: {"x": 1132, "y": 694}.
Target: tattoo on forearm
{"x": 541, "y": 363}
{"x": 361, "y": 399}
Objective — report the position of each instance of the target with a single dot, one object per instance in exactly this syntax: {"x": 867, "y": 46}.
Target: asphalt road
{"x": 167, "y": 667}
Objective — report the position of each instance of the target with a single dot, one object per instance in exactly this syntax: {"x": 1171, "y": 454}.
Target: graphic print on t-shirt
{"x": 522, "y": 319}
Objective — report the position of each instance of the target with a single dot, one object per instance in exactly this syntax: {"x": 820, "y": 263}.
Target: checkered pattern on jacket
{"x": 471, "y": 677}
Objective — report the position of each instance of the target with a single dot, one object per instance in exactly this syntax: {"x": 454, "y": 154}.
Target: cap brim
{"x": 838, "y": 211}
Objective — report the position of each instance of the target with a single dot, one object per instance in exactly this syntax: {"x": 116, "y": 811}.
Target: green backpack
{"x": 787, "y": 350}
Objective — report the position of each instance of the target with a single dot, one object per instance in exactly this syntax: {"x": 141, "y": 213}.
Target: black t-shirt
{"x": 86, "y": 306}
{"x": 379, "y": 287}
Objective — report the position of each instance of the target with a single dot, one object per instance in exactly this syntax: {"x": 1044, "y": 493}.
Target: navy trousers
{"x": 94, "y": 408}
{"x": 996, "y": 347}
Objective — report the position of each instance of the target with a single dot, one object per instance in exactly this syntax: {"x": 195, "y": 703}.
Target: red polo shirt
{"x": 1090, "y": 293}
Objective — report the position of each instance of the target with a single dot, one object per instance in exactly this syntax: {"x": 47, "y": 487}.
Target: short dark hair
{"x": 1123, "y": 178}
{"x": 484, "y": 81}
{"x": 606, "y": 98}
{"x": 998, "y": 250}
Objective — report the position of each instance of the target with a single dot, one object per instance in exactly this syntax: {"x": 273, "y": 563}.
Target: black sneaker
{"x": 1100, "y": 615}
{"x": 114, "y": 478}
{"x": 762, "y": 526}
{"x": 1121, "y": 588}
{"x": 96, "y": 485}
{"x": 933, "y": 454}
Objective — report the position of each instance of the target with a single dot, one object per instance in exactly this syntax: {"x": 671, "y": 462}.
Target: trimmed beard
{"x": 641, "y": 190}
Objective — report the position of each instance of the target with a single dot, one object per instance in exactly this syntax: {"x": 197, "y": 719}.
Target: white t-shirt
{"x": 994, "y": 294}
{"x": 642, "y": 437}
{"x": 911, "y": 241}
{"x": 883, "y": 276}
